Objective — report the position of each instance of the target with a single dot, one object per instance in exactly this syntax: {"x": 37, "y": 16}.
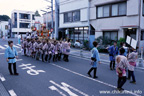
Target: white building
{"x": 118, "y": 18}
{"x": 73, "y": 20}
{"x": 22, "y": 21}
{"x": 3, "y": 28}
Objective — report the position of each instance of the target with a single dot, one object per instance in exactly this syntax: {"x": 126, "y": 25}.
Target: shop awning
{"x": 130, "y": 26}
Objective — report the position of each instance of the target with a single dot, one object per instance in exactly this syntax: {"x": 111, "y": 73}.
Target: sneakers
{"x": 133, "y": 82}
{"x": 120, "y": 89}
{"x": 95, "y": 77}
{"x": 89, "y": 75}
{"x": 16, "y": 74}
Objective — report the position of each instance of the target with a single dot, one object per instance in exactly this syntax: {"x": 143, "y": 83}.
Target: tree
{"x": 4, "y": 17}
{"x": 37, "y": 13}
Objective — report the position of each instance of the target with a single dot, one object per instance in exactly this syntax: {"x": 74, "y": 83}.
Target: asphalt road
{"x": 64, "y": 79}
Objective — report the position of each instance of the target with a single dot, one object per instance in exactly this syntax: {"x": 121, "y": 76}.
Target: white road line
{"x": 91, "y": 78}
{"x": 19, "y": 60}
{"x": 16, "y": 46}
{"x": 1, "y": 47}
{"x": 2, "y": 78}
{"x": 12, "y": 93}
{"x": 1, "y": 53}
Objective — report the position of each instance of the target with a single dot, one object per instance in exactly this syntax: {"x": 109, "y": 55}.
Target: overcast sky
{"x": 6, "y": 6}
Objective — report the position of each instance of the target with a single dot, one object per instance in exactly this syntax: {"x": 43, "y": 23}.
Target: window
{"x": 76, "y": 16}
{"x": 72, "y": 16}
{"x": 122, "y": 9}
{"x": 24, "y": 16}
{"x": 142, "y": 35}
{"x": 111, "y": 10}
{"x": 33, "y": 17}
{"x": 115, "y": 10}
{"x": 24, "y": 25}
{"x": 106, "y": 11}
{"x": 111, "y": 35}
{"x": 15, "y": 21}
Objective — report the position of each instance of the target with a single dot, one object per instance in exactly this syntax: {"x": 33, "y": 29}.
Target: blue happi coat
{"x": 95, "y": 54}
{"x": 11, "y": 53}
{"x": 113, "y": 51}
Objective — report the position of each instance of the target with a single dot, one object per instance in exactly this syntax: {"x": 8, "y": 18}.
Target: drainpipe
{"x": 139, "y": 24}
{"x": 89, "y": 28}
{"x": 141, "y": 64}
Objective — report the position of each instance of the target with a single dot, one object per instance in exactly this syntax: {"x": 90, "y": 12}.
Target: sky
{"x": 6, "y": 6}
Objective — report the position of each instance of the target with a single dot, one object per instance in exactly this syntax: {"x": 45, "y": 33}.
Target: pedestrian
{"x": 67, "y": 47}
{"x": 19, "y": 38}
{"x": 122, "y": 64}
{"x": 45, "y": 50}
{"x": 64, "y": 50}
{"x": 11, "y": 56}
{"x": 95, "y": 60}
{"x": 113, "y": 51}
{"x": 50, "y": 48}
{"x": 25, "y": 45}
{"x": 132, "y": 57}
{"x": 41, "y": 49}
{"x": 59, "y": 50}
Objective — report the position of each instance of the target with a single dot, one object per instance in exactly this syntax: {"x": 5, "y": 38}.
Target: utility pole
{"x": 52, "y": 24}
{"x": 56, "y": 18}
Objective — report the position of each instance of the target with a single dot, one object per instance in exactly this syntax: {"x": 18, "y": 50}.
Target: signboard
{"x": 134, "y": 43}
{"x": 128, "y": 40}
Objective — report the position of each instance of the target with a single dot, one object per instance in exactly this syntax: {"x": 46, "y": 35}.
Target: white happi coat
{"x": 67, "y": 46}
{"x": 45, "y": 48}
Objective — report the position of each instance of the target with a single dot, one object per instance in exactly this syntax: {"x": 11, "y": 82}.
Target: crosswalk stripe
{"x": 1, "y": 47}
{"x": 16, "y": 46}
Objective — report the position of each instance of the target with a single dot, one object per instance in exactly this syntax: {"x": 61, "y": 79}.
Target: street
{"x": 64, "y": 78}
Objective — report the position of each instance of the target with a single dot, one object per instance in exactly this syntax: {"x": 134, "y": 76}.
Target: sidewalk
{"x": 3, "y": 91}
{"x": 87, "y": 54}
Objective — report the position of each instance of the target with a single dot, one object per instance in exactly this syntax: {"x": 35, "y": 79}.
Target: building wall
{"x": 71, "y": 5}
{"x": 4, "y": 31}
{"x": 22, "y": 21}
{"x": 114, "y": 22}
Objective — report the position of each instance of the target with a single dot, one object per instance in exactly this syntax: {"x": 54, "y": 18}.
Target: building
{"x": 22, "y": 21}
{"x": 3, "y": 28}
{"x": 74, "y": 20}
{"x": 116, "y": 19}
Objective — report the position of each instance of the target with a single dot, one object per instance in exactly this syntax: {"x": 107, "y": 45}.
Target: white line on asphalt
{"x": 19, "y": 59}
{"x": 1, "y": 53}
{"x": 6, "y": 45}
{"x": 12, "y": 93}
{"x": 2, "y": 78}
{"x": 18, "y": 45}
{"x": 2, "y": 47}
{"x": 91, "y": 78}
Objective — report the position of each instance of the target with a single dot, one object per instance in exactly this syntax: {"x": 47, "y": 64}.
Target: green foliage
{"x": 4, "y": 18}
{"x": 120, "y": 41}
{"x": 86, "y": 42}
{"x": 37, "y": 13}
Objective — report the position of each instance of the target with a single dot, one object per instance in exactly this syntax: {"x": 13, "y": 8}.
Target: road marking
{"x": 66, "y": 87}
{"x": 30, "y": 69}
{"x": 1, "y": 53}
{"x": 12, "y": 93}
{"x": 107, "y": 84}
{"x": 55, "y": 89}
{"x": 6, "y": 45}
{"x": 16, "y": 46}
{"x": 19, "y": 59}
{"x": 2, "y": 78}
{"x": 2, "y": 47}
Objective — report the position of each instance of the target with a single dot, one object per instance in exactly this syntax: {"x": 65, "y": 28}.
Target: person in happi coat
{"x": 32, "y": 48}
{"x": 95, "y": 59}
{"x": 41, "y": 49}
{"x": 56, "y": 51}
{"x": 35, "y": 45}
{"x": 28, "y": 47}
{"x": 64, "y": 50}
{"x": 59, "y": 50}
{"x": 50, "y": 49}
{"x": 25, "y": 45}
{"x": 67, "y": 47}
{"x": 113, "y": 51}
{"x": 45, "y": 50}
{"x": 132, "y": 59}
{"x": 11, "y": 56}
{"x": 122, "y": 64}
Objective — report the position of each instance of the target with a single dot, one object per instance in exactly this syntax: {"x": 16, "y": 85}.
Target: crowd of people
{"x": 46, "y": 49}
